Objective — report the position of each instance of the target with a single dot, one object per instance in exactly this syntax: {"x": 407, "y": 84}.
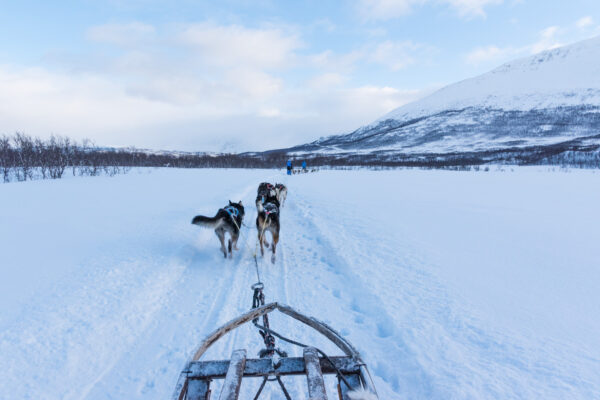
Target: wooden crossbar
{"x": 263, "y": 367}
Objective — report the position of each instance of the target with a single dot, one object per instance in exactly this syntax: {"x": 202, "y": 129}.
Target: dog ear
{"x": 230, "y": 203}
{"x": 240, "y": 203}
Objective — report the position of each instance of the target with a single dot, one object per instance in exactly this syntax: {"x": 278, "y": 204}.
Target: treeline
{"x": 23, "y": 158}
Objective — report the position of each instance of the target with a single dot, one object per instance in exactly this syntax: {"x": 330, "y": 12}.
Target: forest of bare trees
{"x": 25, "y": 158}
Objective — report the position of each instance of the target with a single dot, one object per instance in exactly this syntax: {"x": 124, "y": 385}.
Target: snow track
{"x": 115, "y": 304}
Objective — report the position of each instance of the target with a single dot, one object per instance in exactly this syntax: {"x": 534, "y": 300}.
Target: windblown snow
{"x": 451, "y": 284}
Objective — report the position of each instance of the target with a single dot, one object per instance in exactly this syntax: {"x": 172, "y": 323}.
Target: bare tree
{"x": 42, "y": 158}
{"x": 25, "y": 156}
{"x": 7, "y": 161}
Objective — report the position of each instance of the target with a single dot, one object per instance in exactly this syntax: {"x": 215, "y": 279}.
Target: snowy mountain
{"x": 547, "y": 99}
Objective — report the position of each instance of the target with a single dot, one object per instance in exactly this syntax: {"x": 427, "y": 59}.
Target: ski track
{"x": 202, "y": 301}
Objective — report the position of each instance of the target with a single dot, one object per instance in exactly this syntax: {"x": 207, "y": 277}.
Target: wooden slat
{"x": 263, "y": 366}
{"x": 233, "y": 378}
{"x": 354, "y": 382}
{"x": 197, "y": 389}
{"x": 314, "y": 376}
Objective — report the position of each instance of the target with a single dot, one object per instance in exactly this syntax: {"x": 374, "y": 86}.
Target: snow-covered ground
{"x": 452, "y": 284}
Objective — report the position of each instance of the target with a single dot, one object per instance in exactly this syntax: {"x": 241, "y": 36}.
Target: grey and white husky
{"x": 228, "y": 219}
{"x": 267, "y": 220}
{"x": 266, "y": 192}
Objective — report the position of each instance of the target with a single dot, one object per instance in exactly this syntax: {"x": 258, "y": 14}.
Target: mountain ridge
{"x": 541, "y": 100}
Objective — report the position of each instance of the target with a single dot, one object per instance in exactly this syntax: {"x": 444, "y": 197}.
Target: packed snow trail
{"x": 444, "y": 281}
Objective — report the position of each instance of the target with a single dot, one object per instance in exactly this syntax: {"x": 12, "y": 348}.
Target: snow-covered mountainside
{"x": 548, "y": 98}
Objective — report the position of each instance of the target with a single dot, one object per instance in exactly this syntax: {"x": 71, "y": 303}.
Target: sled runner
{"x": 195, "y": 380}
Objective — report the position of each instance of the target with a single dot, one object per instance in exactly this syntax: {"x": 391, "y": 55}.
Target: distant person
{"x": 289, "y": 167}
{"x": 304, "y": 166}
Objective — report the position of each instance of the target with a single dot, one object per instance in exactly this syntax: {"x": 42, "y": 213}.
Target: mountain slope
{"x": 545, "y": 99}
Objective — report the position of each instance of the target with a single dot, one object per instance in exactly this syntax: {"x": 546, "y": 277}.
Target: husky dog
{"x": 281, "y": 193}
{"x": 266, "y": 192}
{"x": 228, "y": 219}
{"x": 268, "y": 220}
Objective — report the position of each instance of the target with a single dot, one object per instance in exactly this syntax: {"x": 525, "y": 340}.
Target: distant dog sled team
{"x": 291, "y": 170}
{"x": 229, "y": 219}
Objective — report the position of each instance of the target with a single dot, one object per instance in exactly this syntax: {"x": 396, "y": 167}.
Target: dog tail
{"x": 207, "y": 222}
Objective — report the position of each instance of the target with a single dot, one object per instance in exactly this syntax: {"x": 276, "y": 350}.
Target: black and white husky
{"x": 228, "y": 219}
{"x": 267, "y": 220}
{"x": 266, "y": 192}
{"x": 281, "y": 192}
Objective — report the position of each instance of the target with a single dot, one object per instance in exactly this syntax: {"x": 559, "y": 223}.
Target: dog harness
{"x": 270, "y": 208}
{"x": 232, "y": 211}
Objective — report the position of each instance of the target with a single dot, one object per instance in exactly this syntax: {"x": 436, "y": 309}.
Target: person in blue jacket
{"x": 289, "y": 167}
{"x": 304, "y": 166}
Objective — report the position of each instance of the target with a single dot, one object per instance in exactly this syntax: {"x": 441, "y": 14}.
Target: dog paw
{"x": 267, "y": 245}
{"x": 273, "y": 258}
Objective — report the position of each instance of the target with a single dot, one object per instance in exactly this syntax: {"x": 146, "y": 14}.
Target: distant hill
{"x": 546, "y": 105}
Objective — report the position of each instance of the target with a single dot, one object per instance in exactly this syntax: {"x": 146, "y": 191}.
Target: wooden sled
{"x": 194, "y": 381}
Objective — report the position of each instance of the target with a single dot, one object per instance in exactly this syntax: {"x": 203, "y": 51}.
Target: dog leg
{"x": 221, "y": 235}
{"x": 275, "y": 241}
{"x": 260, "y": 240}
{"x": 229, "y": 248}
{"x": 235, "y": 240}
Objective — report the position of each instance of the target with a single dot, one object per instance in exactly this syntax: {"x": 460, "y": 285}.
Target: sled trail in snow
{"x": 450, "y": 284}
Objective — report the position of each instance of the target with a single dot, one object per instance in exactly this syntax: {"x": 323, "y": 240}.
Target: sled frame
{"x": 194, "y": 380}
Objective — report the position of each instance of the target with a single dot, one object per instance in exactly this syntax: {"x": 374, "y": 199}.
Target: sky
{"x": 237, "y": 75}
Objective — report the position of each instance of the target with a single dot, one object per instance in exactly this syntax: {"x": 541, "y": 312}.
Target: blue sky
{"x": 252, "y": 75}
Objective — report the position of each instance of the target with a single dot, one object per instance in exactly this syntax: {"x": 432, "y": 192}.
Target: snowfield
{"x": 462, "y": 285}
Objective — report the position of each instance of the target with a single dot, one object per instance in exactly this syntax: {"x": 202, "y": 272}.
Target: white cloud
{"x": 236, "y": 45}
{"x": 326, "y": 80}
{"x": 386, "y": 9}
{"x": 40, "y": 102}
{"x": 395, "y": 55}
{"x": 584, "y": 22}
{"x": 483, "y": 55}
{"x": 121, "y": 34}
{"x": 328, "y": 60}
{"x": 547, "y": 40}
{"x": 200, "y": 115}
{"x": 390, "y": 9}
{"x": 472, "y": 8}
{"x": 197, "y": 87}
